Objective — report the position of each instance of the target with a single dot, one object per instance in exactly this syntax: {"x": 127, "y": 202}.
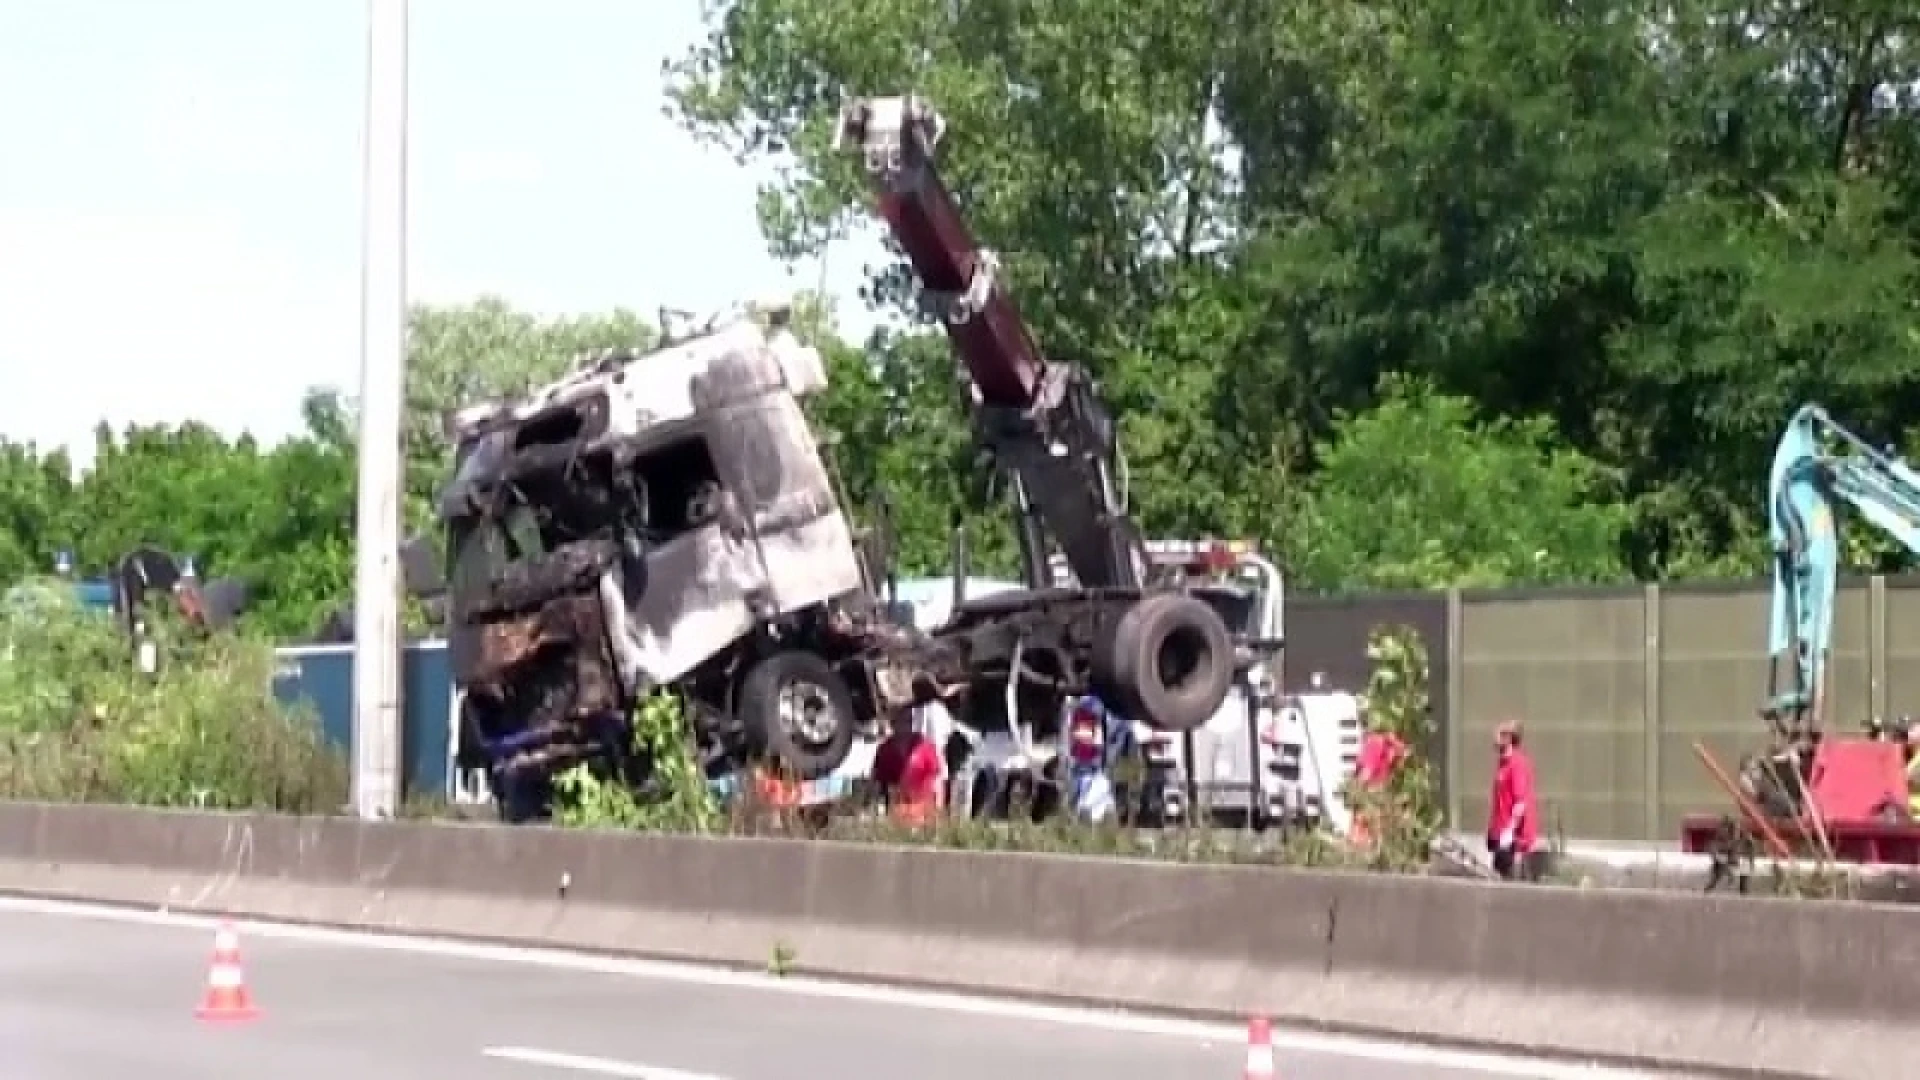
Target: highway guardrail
{"x": 1742, "y": 985}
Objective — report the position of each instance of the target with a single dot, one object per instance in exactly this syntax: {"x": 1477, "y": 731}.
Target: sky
{"x": 180, "y": 194}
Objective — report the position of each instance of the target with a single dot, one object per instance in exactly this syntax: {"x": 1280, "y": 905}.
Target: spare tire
{"x": 1168, "y": 662}
{"x": 795, "y": 709}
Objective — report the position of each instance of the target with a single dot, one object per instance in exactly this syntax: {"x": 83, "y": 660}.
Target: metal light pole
{"x": 383, "y": 344}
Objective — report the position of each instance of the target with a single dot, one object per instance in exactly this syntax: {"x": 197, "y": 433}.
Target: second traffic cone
{"x": 226, "y": 998}
{"x": 1260, "y": 1050}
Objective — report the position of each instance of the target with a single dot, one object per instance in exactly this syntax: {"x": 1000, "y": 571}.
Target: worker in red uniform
{"x": 1513, "y": 812}
{"x": 1381, "y": 752}
{"x": 906, "y": 770}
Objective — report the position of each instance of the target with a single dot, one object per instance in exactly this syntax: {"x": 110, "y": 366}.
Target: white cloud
{"x": 497, "y": 167}
{"x": 180, "y": 239}
{"x": 151, "y": 319}
{"x": 193, "y": 123}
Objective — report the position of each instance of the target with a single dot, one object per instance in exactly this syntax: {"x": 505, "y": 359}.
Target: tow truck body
{"x": 1812, "y": 789}
{"x": 665, "y": 521}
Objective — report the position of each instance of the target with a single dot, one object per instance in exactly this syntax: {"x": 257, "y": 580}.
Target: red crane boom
{"x": 1044, "y": 423}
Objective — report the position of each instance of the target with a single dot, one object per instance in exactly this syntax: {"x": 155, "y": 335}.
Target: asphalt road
{"x": 86, "y": 998}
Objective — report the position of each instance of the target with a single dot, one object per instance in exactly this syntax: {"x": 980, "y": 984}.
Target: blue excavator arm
{"x": 1818, "y": 465}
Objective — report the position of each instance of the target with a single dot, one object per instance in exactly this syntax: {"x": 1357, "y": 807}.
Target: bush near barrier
{"x": 80, "y": 723}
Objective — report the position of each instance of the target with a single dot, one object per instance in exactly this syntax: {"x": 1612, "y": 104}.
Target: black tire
{"x": 807, "y": 756}
{"x": 1167, "y": 662}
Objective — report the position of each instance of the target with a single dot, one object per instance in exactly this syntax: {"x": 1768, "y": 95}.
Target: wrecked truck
{"x": 656, "y": 521}
{"x": 666, "y": 521}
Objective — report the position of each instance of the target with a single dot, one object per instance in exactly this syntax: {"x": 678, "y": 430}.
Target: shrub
{"x": 80, "y": 723}
{"x": 673, "y": 796}
{"x": 1406, "y": 814}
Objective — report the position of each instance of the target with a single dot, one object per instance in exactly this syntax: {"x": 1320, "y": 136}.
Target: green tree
{"x": 282, "y": 521}
{"x": 298, "y": 555}
{"x": 894, "y": 422}
{"x": 36, "y": 497}
{"x": 1083, "y": 142}
{"x": 1419, "y": 492}
{"x": 183, "y": 487}
{"x": 1781, "y": 265}
{"x": 467, "y": 355}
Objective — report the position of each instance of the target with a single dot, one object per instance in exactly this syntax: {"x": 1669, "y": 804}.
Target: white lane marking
{"x": 553, "y": 1059}
{"x": 1487, "y": 1063}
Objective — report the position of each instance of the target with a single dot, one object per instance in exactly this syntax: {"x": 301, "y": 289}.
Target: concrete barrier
{"x": 1749, "y": 986}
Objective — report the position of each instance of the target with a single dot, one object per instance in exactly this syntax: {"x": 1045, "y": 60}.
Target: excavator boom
{"x": 1831, "y": 795}
{"x": 1817, "y": 466}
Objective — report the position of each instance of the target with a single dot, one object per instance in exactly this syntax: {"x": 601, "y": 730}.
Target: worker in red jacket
{"x": 907, "y": 770}
{"x": 1513, "y": 810}
{"x": 1381, "y": 753}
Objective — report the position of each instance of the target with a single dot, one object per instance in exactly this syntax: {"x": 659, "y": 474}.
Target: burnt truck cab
{"x": 648, "y": 521}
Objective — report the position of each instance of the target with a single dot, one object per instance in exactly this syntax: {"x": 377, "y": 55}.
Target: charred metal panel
{"x": 479, "y": 464}
{"x": 690, "y": 599}
{"x": 767, "y": 450}
{"x": 548, "y": 668}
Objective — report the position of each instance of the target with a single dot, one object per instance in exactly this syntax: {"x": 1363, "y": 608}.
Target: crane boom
{"x": 1043, "y": 422}
{"x": 1817, "y": 465}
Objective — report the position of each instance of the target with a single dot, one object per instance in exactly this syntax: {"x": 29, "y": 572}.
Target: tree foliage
{"x": 1418, "y": 490}
{"x": 1440, "y": 293}
{"x": 1629, "y": 236}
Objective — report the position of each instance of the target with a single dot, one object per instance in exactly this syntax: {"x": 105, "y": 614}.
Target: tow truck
{"x": 1267, "y": 758}
{"x": 665, "y": 522}
{"x": 1049, "y": 436}
{"x": 1811, "y": 791}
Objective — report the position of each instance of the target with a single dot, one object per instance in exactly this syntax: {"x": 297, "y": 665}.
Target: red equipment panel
{"x": 1858, "y": 779}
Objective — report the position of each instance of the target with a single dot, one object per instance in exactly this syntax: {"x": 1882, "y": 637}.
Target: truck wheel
{"x": 1168, "y": 662}
{"x": 798, "y": 711}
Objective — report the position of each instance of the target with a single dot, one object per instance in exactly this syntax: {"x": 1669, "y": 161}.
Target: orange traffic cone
{"x": 1260, "y": 1049}
{"x": 226, "y": 998}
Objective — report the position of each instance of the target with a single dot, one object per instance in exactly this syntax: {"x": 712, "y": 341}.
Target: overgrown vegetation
{"x": 677, "y": 798}
{"x": 80, "y": 723}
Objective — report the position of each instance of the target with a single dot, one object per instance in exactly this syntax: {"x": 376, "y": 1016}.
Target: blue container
{"x": 322, "y": 675}
{"x": 97, "y": 595}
